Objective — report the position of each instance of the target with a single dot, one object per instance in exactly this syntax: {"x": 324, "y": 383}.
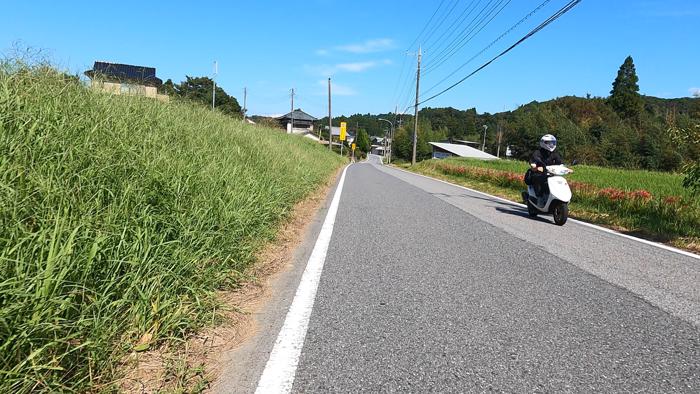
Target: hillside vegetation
{"x": 119, "y": 219}
{"x": 624, "y": 130}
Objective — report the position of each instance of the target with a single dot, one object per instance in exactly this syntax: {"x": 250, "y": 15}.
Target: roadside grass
{"x": 657, "y": 183}
{"x": 120, "y": 218}
{"x": 647, "y": 204}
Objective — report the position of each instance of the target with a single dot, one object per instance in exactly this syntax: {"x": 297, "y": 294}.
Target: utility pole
{"x": 483, "y": 147}
{"x": 291, "y": 129}
{"x": 245, "y": 98}
{"x": 213, "y": 90}
{"x": 330, "y": 120}
{"x": 500, "y": 134}
{"x": 415, "y": 110}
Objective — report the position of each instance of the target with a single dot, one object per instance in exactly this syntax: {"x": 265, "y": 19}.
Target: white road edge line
{"x": 607, "y": 230}
{"x": 279, "y": 372}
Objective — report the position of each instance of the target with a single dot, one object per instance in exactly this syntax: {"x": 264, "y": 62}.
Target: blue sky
{"x": 273, "y": 46}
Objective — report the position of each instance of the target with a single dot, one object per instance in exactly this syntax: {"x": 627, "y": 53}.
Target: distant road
{"x": 431, "y": 287}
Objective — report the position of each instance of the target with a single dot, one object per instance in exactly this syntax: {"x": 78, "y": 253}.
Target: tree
{"x": 691, "y": 137}
{"x": 199, "y": 89}
{"x": 168, "y": 88}
{"x": 624, "y": 96}
{"x": 362, "y": 141}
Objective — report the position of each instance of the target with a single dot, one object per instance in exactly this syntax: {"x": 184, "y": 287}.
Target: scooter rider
{"x": 541, "y": 158}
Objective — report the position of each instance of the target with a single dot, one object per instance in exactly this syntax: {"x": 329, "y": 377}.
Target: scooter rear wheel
{"x": 560, "y": 213}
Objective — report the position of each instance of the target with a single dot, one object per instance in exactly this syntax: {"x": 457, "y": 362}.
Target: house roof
{"x": 298, "y": 115}
{"x": 125, "y": 72}
{"x": 463, "y": 151}
{"x": 336, "y": 132}
{"x": 463, "y": 142}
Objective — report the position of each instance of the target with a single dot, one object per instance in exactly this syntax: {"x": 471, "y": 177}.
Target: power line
{"x": 427, "y": 38}
{"x": 521, "y": 21}
{"x": 401, "y": 77}
{"x": 426, "y": 25}
{"x": 472, "y": 33}
{"x": 459, "y": 19}
{"x": 396, "y": 95}
{"x": 534, "y": 31}
{"x": 446, "y": 46}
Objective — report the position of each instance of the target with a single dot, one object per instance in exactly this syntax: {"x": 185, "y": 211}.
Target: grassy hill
{"x": 119, "y": 219}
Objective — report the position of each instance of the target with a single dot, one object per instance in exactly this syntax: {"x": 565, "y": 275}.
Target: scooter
{"x": 554, "y": 200}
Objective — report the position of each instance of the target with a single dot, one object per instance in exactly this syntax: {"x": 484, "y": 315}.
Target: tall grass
{"x": 119, "y": 219}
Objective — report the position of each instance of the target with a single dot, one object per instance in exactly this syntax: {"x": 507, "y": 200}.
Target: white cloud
{"x": 343, "y": 90}
{"x": 336, "y": 89}
{"x": 369, "y": 46}
{"x": 355, "y": 67}
{"x": 695, "y": 92}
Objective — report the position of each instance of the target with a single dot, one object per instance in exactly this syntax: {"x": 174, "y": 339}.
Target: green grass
{"x": 605, "y": 196}
{"x": 120, "y": 217}
{"x": 657, "y": 183}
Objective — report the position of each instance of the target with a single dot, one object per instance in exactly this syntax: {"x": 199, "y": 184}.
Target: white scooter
{"x": 555, "y": 200}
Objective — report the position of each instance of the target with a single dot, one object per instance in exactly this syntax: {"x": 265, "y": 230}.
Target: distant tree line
{"x": 199, "y": 90}
{"x": 625, "y": 129}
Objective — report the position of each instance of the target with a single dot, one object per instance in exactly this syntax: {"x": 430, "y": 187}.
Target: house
{"x": 349, "y": 138}
{"x": 380, "y": 145}
{"x": 442, "y": 150}
{"x": 119, "y": 78}
{"x": 297, "y": 122}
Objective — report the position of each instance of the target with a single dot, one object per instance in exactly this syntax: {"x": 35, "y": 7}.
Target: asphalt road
{"x": 428, "y": 287}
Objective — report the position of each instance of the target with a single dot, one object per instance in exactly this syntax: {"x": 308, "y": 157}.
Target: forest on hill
{"x": 626, "y": 129}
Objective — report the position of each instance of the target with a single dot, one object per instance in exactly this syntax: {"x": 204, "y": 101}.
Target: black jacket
{"x": 543, "y": 157}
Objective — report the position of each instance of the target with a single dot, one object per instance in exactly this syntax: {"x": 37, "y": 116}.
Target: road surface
{"x": 426, "y": 286}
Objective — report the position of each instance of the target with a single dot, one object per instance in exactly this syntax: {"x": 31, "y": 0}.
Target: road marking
{"x": 279, "y": 372}
{"x": 604, "y": 229}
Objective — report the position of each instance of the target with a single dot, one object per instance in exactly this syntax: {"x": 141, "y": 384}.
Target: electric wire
{"x": 472, "y": 33}
{"x": 443, "y": 48}
{"x": 571, "y": 4}
{"x": 426, "y": 25}
{"x": 395, "y": 96}
{"x": 515, "y": 26}
{"x": 459, "y": 19}
{"x": 401, "y": 77}
{"x": 437, "y": 26}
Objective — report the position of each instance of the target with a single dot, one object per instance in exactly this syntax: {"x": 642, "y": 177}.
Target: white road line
{"x": 281, "y": 367}
{"x": 607, "y": 230}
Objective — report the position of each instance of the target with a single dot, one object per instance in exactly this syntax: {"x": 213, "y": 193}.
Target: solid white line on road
{"x": 607, "y": 230}
{"x": 280, "y": 369}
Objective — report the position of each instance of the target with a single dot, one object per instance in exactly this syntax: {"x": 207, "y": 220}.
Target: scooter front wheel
{"x": 531, "y": 210}
{"x": 560, "y": 213}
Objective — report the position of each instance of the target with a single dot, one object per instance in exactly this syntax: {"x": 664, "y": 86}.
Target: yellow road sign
{"x": 353, "y": 146}
{"x": 343, "y": 130}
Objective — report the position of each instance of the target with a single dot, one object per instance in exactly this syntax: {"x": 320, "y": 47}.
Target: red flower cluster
{"x": 672, "y": 200}
{"x": 641, "y": 195}
{"x": 482, "y": 173}
{"x": 613, "y": 194}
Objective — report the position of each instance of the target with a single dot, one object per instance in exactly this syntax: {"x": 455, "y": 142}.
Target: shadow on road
{"x": 522, "y": 213}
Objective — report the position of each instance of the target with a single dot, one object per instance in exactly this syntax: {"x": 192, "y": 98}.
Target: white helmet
{"x": 548, "y": 142}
